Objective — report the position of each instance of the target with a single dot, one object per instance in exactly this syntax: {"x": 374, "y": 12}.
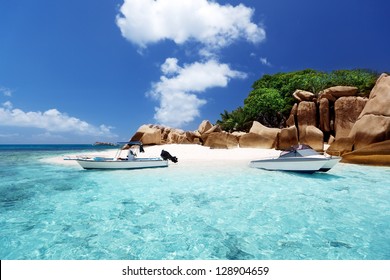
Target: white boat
{"x": 299, "y": 158}
{"x": 130, "y": 161}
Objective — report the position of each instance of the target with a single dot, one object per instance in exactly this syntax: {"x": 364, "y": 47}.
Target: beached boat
{"x": 298, "y": 158}
{"x": 130, "y": 161}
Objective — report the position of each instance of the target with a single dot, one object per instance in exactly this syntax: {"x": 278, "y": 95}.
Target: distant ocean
{"x": 205, "y": 211}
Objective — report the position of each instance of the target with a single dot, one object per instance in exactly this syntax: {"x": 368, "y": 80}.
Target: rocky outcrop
{"x": 324, "y": 115}
{"x": 338, "y": 91}
{"x": 260, "y": 129}
{"x": 287, "y": 138}
{"x": 254, "y": 140}
{"x": 148, "y": 135}
{"x": 293, "y": 115}
{"x": 206, "y": 134}
{"x": 340, "y": 147}
{"x": 372, "y": 125}
{"x": 313, "y": 137}
{"x": 303, "y": 95}
{"x": 105, "y": 144}
{"x": 259, "y": 136}
{"x": 347, "y": 111}
{"x": 221, "y": 140}
{"x": 157, "y": 135}
{"x": 306, "y": 114}
{"x": 376, "y": 154}
{"x": 204, "y": 126}
{"x": 308, "y": 133}
{"x": 340, "y": 115}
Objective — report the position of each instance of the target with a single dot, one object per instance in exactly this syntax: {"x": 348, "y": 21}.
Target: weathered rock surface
{"x": 313, "y": 137}
{"x": 306, "y": 114}
{"x": 206, "y": 134}
{"x": 303, "y": 95}
{"x": 221, "y": 140}
{"x": 347, "y": 111}
{"x": 293, "y": 114}
{"x": 157, "y": 135}
{"x": 374, "y": 154}
{"x": 148, "y": 135}
{"x": 287, "y": 138}
{"x": 324, "y": 115}
{"x": 260, "y": 129}
{"x": 204, "y": 126}
{"x": 340, "y": 147}
{"x": 370, "y": 129}
{"x": 373, "y": 124}
{"x": 339, "y": 91}
{"x": 254, "y": 140}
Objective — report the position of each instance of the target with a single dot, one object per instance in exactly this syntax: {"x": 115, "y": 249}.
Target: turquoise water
{"x": 229, "y": 211}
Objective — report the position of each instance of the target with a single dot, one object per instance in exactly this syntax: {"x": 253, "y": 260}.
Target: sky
{"x": 76, "y": 71}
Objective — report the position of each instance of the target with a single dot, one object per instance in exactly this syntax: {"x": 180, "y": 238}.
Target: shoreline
{"x": 186, "y": 153}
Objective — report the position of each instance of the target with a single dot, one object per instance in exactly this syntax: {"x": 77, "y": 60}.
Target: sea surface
{"x": 205, "y": 211}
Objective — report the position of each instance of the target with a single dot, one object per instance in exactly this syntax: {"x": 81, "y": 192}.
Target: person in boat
{"x": 130, "y": 156}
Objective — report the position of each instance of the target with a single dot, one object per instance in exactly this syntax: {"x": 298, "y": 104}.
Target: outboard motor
{"x": 165, "y": 155}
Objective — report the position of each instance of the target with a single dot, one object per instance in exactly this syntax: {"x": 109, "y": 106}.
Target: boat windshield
{"x": 298, "y": 151}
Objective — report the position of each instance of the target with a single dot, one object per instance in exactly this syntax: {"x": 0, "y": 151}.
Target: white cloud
{"x": 6, "y": 91}
{"x": 7, "y": 105}
{"x": 51, "y": 121}
{"x": 215, "y": 26}
{"x": 176, "y": 91}
{"x": 265, "y": 61}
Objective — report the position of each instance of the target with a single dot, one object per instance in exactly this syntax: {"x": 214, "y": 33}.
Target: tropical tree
{"x": 271, "y": 99}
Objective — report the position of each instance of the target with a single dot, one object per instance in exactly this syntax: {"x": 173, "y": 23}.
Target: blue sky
{"x": 76, "y": 71}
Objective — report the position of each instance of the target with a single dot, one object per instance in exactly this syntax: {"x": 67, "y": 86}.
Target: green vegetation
{"x": 271, "y": 100}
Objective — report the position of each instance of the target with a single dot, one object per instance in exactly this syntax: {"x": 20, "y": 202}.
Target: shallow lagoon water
{"x": 190, "y": 211}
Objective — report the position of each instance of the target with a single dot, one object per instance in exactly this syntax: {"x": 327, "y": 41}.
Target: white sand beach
{"x": 186, "y": 154}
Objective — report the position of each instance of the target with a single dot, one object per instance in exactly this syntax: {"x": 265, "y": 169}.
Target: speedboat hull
{"x": 296, "y": 164}
{"x": 331, "y": 161}
{"x": 138, "y": 163}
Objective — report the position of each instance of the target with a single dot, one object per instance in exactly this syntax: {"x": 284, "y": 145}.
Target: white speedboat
{"x": 299, "y": 158}
{"x": 130, "y": 161}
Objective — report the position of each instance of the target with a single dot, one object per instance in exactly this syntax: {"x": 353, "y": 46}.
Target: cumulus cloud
{"x": 143, "y": 22}
{"x": 51, "y": 121}
{"x": 178, "y": 88}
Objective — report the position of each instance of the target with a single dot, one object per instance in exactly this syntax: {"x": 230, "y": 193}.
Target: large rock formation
{"x": 259, "y": 136}
{"x": 205, "y": 134}
{"x": 324, "y": 115}
{"x": 148, "y": 135}
{"x": 377, "y": 154}
{"x": 287, "y": 137}
{"x": 254, "y": 140}
{"x": 306, "y": 114}
{"x": 221, "y": 140}
{"x": 313, "y": 137}
{"x": 204, "y": 126}
{"x": 156, "y": 135}
{"x": 308, "y": 133}
{"x": 347, "y": 111}
{"x": 258, "y": 128}
{"x": 303, "y": 95}
{"x": 373, "y": 124}
{"x": 338, "y": 91}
